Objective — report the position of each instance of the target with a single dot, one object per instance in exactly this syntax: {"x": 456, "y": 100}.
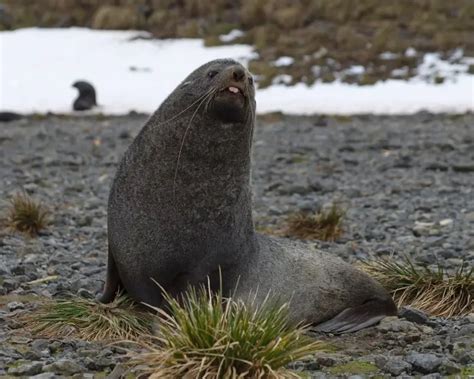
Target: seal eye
{"x": 250, "y": 80}
{"x": 212, "y": 73}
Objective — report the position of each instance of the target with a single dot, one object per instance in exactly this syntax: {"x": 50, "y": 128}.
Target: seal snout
{"x": 238, "y": 73}
{"x": 234, "y": 80}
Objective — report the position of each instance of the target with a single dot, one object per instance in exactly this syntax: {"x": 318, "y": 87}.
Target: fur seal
{"x": 180, "y": 211}
{"x": 9, "y": 116}
{"x": 87, "y": 96}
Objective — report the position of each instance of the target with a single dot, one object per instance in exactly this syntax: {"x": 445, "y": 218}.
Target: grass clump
{"x": 89, "y": 320}
{"x": 27, "y": 215}
{"x": 324, "y": 225}
{"x": 205, "y": 335}
{"x": 433, "y": 291}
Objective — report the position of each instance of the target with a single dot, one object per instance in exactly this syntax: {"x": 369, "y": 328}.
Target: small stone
{"x": 424, "y": 363}
{"x": 29, "y": 368}
{"x": 446, "y": 222}
{"x": 413, "y": 315}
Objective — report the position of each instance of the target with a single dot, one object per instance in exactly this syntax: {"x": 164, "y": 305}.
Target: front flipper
{"x": 112, "y": 281}
{"x": 359, "y": 317}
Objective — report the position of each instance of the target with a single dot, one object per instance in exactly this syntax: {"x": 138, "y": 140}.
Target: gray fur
{"x": 180, "y": 210}
{"x": 317, "y": 285}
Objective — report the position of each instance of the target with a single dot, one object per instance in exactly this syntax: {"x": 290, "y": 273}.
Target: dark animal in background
{"x": 87, "y": 96}
{"x": 9, "y": 116}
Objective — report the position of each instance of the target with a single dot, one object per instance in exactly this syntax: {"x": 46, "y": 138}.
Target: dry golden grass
{"x": 27, "y": 215}
{"x": 208, "y": 336}
{"x": 89, "y": 320}
{"x": 325, "y": 225}
{"x": 433, "y": 291}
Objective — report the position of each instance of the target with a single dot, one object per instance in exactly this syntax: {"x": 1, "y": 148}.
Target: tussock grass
{"x": 89, "y": 320}
{"x": 433, "y": 291}
{"x": 324, "y": 225}
{"x": 205, "y": 335}
{"x": 27, "y": 215}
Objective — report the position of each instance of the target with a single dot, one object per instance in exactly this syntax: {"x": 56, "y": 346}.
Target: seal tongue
{"x": 233, "y": 89}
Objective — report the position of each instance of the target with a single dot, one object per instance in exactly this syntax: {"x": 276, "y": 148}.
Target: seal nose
{"x": 238, "y": 73}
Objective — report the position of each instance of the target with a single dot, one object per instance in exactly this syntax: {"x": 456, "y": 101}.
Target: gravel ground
{"x": 406, "y": 182}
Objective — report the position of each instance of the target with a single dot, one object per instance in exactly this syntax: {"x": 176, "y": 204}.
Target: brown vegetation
{"x": 27, "y": 215}
{"x": 324, "y": 225}
{"x": 330, "y": 34}
{"x": 433, "y": 291}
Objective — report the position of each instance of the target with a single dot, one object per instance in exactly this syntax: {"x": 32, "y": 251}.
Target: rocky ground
{"x": 406, "y": 183}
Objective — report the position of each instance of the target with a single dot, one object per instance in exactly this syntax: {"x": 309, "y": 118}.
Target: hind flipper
{"x": 359, "y": 317}
{"x": 112, "y": 281}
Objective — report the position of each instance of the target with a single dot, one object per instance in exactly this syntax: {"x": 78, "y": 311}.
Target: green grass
{"x": 324, "y": 225}
{"x": 354, "y": 367}
{"x": 89, "y": 320}
{"x": 205, "y": 335}
{"x": 27, "y": 215}
{"x": 433, "y": 291}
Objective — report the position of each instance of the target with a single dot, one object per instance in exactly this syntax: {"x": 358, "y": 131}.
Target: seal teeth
{"x": 233, "y": 89}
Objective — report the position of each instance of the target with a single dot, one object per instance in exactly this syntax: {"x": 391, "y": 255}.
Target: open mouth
{"x": 233, "y": 89}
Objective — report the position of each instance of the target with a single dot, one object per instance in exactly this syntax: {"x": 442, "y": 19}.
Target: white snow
{"x": 284, "y": 61}
{"x": 38, "y": 67}
{"x": 356, "y": 70}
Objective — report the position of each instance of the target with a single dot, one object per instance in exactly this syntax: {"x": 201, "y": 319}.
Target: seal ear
{"x": 359, "y": 317}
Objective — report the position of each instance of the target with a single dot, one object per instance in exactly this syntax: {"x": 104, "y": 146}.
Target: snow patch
{"x": 38, "y": 67}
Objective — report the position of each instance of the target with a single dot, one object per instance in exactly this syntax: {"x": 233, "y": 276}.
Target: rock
{"x": 465, "y": 167}
{"x": 413, "y": 315}
{"x": 15, "y": 305}
{"x": 426, "y": 229}
{"x": 394, "y": 324}
{"x": 449, "y": 368}
{"x": 466, "y": 330}
{"x": 29, "y": 368}
{"x": 45, "y": 375}
{"x": 64, "y": 367}
{"x": 424, "y": 363}
{"x": 117, "y": 373}
{"x": 396, "y": 366}
{"x": 328, "y": 360}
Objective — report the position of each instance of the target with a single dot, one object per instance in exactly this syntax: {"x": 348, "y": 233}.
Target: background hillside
{"x": 325, "y": 37}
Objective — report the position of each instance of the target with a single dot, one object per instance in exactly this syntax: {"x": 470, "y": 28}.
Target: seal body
{"x": 320, "y": 288}
{"x": 179, "y": 208}
{"x": 180, "y": 214}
